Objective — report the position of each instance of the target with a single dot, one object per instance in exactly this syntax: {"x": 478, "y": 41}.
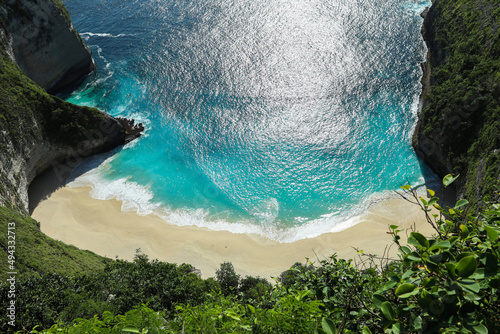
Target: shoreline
{"x": 71, "y": 215}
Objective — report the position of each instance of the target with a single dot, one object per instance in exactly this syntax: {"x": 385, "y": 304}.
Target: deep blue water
{"x": 281, "y": 117}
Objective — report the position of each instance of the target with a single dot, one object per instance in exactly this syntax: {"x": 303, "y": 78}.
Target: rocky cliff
{"x": 37, "y": 130}
{"x": 44, "y": 44}
{"x": 458, "y": 130}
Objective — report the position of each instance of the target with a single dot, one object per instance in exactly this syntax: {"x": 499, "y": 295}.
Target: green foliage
{"x": 139, "y": 320}
{"x": 227, "y": 277}
{"x": 44, "y": 255}
{"x": 447, "y": 283}
{"x": 22, "y": 101}
{"x": 254, "y": 289}
{"x": 29, "y": 115}
{"x": 463, "y": 106}
{"x": 118, "y": 287}
{"x": 296, "y": 312}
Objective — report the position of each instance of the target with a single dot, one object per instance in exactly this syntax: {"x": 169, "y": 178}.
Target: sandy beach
{"x": 71, "y": 215}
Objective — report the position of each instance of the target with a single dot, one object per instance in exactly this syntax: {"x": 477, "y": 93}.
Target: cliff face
{"x": 37, "y": 130}
{"x": 44, "y": 43}
{"x": 40, "y": 131}
{"x": 458, "y": 130}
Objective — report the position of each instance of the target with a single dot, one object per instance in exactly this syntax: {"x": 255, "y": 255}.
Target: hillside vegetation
{"x": 36, "y": 254}
{"x": 460, "y": 123}
{"x": 31, "y": 119}
{"x": 29, "y": 115}
{"x": 445, "y": 283}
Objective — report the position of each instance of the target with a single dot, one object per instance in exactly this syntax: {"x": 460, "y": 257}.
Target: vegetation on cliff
{"x": 22, "y": 100}
{"x": 38, "y": 130}
{"x": 30, "y": 118}
{"x": 446, "y": 283}
{"x": 37, "y": 254}
{"x": 460, "y": 124}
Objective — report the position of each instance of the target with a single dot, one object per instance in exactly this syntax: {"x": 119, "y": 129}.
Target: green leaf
{"x": 366, "y": 330}
{"x": 464, "y": 231}
{"x": 448, "y": 179}
{"x": 404, "y": 288}
{"x": 107, "y": 317}
{"x": 406, "y": 187}
{"x": 452, "y": 269}
{"x": 409, "y": 294}
{"x": 433, "y": 201}
{"x": 480, "y": 329}
{"x": 302, "y": 294}
{"x": 131, "y": 329}
{"x": 440, "y": 245}
{"x": 438, "y": 258}
{"x": 431, "y": 192}
{"x": 389, "y": 285}
{"x": 462, "y": 255}
{"x": 417, "y": 323}
{"x": 492, "y": 233}
{"x": 328, "y": 326}
{"x": 405, "y": 250}
{"x": 396, "y": 328}
{"x": 233, "y": 315}
{"x": 387, "y": 311}
{"x": 469, "y": 285}
{"x": 413, "y": 256}
{"x": 467, "y": 266}
{"x": 429, "y": 282}
{"x": 393, "y": 227}
{"x": 461, "y": 203}
{"x": 378, "y": 300}
{"x": 420, "y": 240}
{"x": 480, "y": 273}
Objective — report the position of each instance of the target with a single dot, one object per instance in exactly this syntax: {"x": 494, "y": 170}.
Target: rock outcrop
{"x": 458, "y": 130}
{"x": 44, "y": 43}
{"x": 37, "y": 130}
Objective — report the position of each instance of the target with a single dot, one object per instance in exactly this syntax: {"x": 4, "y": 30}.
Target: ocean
{"x": 285, "y": 118}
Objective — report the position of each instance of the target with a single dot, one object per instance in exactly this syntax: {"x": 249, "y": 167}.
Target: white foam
{"x": 135, "y": 197}
{"x": 139, "y": 199}
{"x": 91, "y": 34}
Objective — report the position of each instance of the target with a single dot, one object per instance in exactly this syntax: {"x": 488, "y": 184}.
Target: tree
{"x": 228, "y": 279}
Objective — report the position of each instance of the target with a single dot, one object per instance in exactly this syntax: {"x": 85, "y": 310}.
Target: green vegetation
{"x": 117, "y": 287}
{"x": 22, "y": 102}
{"x": 447, "y": 283}
{"x": 44, "y": 255}
{"x": 465, "y": 93}
{"x": 29, "y": 116}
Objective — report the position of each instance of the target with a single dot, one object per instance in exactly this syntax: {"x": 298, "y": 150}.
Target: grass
{"x": 36, "y": 254}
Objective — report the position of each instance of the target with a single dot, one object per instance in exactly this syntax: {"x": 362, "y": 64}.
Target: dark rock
{"x": 132, "y": 130}
{"x": 44, "y": 43}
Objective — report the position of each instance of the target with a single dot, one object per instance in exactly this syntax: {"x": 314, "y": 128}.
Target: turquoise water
{"x": 280, "y": 117}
